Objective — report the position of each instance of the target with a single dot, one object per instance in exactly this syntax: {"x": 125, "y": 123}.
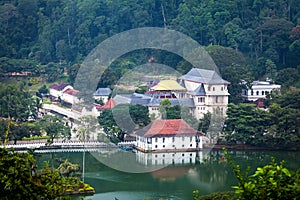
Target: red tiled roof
{"x": 71, "y": 92}
{"x": 59, "y": 86}
{"x": 168, "y": 127}
{"x": 110, "y": 104}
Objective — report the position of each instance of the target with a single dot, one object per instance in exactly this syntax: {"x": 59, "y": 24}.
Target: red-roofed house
{"x": 56, "y": 90}
{"x": 110, "y": 104}
{"x": 168, "y": 135}
{"x": 70, "y": 96}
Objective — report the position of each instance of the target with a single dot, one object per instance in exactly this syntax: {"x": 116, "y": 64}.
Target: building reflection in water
{"x": 169, "y": 158}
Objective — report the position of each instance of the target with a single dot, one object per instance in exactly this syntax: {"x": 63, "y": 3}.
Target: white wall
{"x": 104, "y": 98}
{"x": 154, "y": 110}
{"x": 165, "y": 143}
{"x": 259, "y": 91}
{"x": 69, "y": 98}
{"x": 57, "y": 93}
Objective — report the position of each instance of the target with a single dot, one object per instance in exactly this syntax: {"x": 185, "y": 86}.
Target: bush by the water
{"x": 20, "y": 179}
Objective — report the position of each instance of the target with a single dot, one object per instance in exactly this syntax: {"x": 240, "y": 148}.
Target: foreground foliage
{"x": 20, "y": 179}
{"x": 272, "y": 181}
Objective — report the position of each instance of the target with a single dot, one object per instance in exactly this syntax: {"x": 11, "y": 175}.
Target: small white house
{"x": 102, "y": 93}
{"x": 259, "y": 90}
{"x": 168, "y": 135}
{"x": 56, "y": 90}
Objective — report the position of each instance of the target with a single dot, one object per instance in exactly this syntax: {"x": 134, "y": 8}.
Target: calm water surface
{"x": 208, "y": 173}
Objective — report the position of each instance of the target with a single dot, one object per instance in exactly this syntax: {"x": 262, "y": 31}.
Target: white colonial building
{"x": 208, "y": 91}
{"x": 168, "y": 135}
{"x": 259, "y": 90}
{"x": 200, "y": 90}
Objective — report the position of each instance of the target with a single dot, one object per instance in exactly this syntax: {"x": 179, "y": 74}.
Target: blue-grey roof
{"x": 122, "y": 99}
{"x": 199, "y": 91}
{"x": 147, "y": 100}
{"x": 204, "y": 76}
{"x": 133, "y": 99}
{"x": 102, "y": 92}
{"x": 187, "y": 102}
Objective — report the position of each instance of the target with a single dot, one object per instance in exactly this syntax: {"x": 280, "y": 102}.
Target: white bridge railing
{"x": 129, "y": 143}
{"x": 69, "y": 144}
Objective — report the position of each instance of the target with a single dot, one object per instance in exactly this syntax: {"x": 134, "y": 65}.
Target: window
{"x": 173, "y": 139}
{"x": 257, "y": 93}
{"x": 183, "y": 154}
{"x": 155, "y": 139}
{"x": 183, "y": 146}
{"x": 213, "y": 88}
{"x": 182, "y": 138}
{"x": 222, "y": 88}
{"x": 155, "y": 146}
{"x": 262, "y": 92}
{"x": 208, "y": 88}
{"x": 191, "y": 145}
{"x": 164, "y": 140}
{"x": 201, "y": 99}
{"x": 163, "y": 146}
{"x": 217, "y": 99}
{"x": 251, "y": 92}
{"x": 191, "y": 138}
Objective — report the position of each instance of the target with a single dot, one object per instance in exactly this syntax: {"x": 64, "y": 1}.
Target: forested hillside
{"x": 257, "y": 38}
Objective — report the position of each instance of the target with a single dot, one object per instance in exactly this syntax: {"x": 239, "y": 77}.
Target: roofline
{"x": 198, "y": 133}
{"x": 228, "y": 83}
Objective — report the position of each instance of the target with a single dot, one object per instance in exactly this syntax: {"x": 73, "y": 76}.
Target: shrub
{"x": 271, "y": 181}
{"x": 218, "y": 196}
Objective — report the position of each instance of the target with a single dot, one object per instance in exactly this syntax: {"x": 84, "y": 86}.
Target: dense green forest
{"x": 248, "y": 39}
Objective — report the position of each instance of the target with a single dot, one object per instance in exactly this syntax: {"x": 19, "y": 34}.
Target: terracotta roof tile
{"x": 71, "y": 92}
{"x": 110, "y": 104}
{"x": 59, "y": 86}
{"x": 167, "y": 128}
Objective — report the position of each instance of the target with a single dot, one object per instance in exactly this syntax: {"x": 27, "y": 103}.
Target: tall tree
{"x": 116, "y": 130}
{"x": 55, "y": 128}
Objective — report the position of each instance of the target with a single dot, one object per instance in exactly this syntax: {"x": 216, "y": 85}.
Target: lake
{"x": 135, "y": 175}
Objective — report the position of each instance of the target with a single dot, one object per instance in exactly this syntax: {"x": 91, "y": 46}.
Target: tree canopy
{"x": 46, "y": 37}
{"x": 115, "y": 131}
